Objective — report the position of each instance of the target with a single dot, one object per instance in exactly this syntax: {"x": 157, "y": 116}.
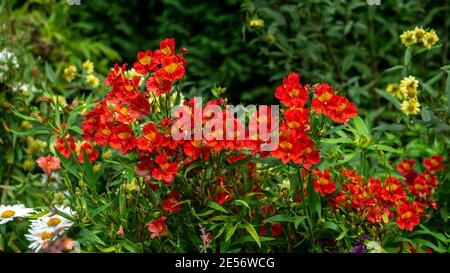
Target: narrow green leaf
{"x": 251, "y": 230}
{"x": 216, "y": 206}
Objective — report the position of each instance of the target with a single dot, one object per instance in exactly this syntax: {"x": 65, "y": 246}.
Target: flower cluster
{"x": 378, "y": 201}
{"x": 92, "y": 81}
{"x": 135, "y": 117}
{"x": 419, "y": 35}
{"x": 295, "y": 143}
{"x": 8, "y": 62}
{"x": 48, "y": 228}
{"x": 406, "y": 91}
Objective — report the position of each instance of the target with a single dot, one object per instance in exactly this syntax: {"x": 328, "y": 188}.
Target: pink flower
{"x": 158, "y": 227}
{"x": 48, "y": 164}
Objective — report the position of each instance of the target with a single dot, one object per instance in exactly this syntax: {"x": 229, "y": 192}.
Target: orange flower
{"x": 61, "y": 146}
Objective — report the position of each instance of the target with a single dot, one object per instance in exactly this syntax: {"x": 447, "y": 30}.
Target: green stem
{"x": 305, "y": 208}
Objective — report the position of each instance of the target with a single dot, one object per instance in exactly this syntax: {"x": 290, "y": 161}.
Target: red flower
{"x": 158, "y": 227}
{"x": 171, "y": 203}
{"x": 61, "y": 146}
{"x": 90, "y": 152}
{"x": 291, "y": 92}
{"x": 407, "y": 217}
{"x": 275, "y": 230}
{"x": 165, "y": 170}
{"x": 288, "y": 148}
{"x": 158, "y": 84}
{"x": 392, "y": 191}
{"x": 322, "y": 182}
{"x": 405, "y": 166}
{"x": 297, "y": 119}
{"x": 172, "y": 69}
{"x": 324, "y": 94}
{"x": 123, "y": 139}
{"x": 433, "y": 163}
{"x": 341, "y": 110}
{"x": 48, "y": 164}
{"x": 167, "y": 47}
{"x": 151, "y": 138}
{"x": 146, "y": 62}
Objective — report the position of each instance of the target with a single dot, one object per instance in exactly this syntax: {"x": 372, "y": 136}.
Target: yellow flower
{"x": 92, "y": 80}
{"x": 429, "y": 39}
{"x": 408, "y": 38}
{"x": 256, "y": 22}
{"x": 28, "y": 164}
{"x": 410, "y": 107}
{"x": 88, "y": 66}
{"x": 419, "y": 32}
{"x": 394, "y": 89}
{"x": 270, "y": 38}
{"x": 408, "y": 87}
{"x": 61, "y": 101}
{"x": 69, "y": 73}
{"x": 26, "y": 125}
{"x": 107, "y": 155}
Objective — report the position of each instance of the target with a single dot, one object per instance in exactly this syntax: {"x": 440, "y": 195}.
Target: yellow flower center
{"x": 164, "y": 166}
{"x": 196, "y": 143}
{"x": 145, "y": 60}
{"x": 123, "y": 135}
{"x": 106, "y": 131}
{"x": 171, "y": 68}
{"x": 322, "y": 181}
{"x": 150, "y": 136}
{"x": 325, "y": 97}
{"x": 286, "y": 145}
{"x": 53, "y": 221}
{"x": 166, "y": 51}
{"x": 406, "y": 215}
{"x": 8, "y": 214}
{"x": 294, "y": 93}
{"x": 294, "y": 124}
{"x": 46, "y": 235}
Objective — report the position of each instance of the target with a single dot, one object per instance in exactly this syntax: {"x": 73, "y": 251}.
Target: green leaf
{"x": 251, "y": 230}
{"x": 384, "y": 148}
{"x": 230, "y": 232}
{"x": 100, "y": 209}
{"x": 389, "y": 97}
{"x": 216, "y": 206}
{"x": 243, "y": 203}
{"x": 22, "y": 116}
{"x": 50, "y": 73}
{"x": 447, "y": 88}
{"x": 360, "y": 125}
{"x": 342, "y": 235}
{"x": 88, "y": 236}
{"x": 407, "y": 57}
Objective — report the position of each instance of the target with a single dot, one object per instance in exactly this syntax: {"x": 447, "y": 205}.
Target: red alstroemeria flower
{"x": 341, "y": 110}
{"x": 322, "y": 182}
{"x": 172, "y": 69}
{"x": 48, "y": 164}
{"x": 407, "y": 217}
{"x": 123, "y": 139}
{"x": 146, "y": 62}
{"x": 291, "y": 92}
{"x": 308, "y": 155}
{"x": 420, "y": 188}
{"x": 104, "y": 133}
{"x": 275, "y": 230}
{"x": 221, "y": 193}
{"x": 297, "y": 119}
{"x": 167, "y": 47}
{"x": 158, "y": 227}
{"x": 324, "y": 94}
{"x": 430, "y": 178}
{"x": 158, "y": 84}
{"x": 152, "y": 138}
{"x": 171, "y": 203}
{"x": 91, "y": 153}
{"x": 61, "y": 146}
{"x": 392, "y": 191}
{"x": 288, "y": 148}
{"x": 405, "y": 166}
{"x": 116, "y": 76}
{"x": 165, "y": 170}
{"x": 433, "y": 163}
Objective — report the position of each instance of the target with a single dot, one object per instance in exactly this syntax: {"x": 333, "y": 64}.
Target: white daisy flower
{"x": 8, "y": 213}
{"x": 38, "y": 239}
{"x": 53, "y": 222}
